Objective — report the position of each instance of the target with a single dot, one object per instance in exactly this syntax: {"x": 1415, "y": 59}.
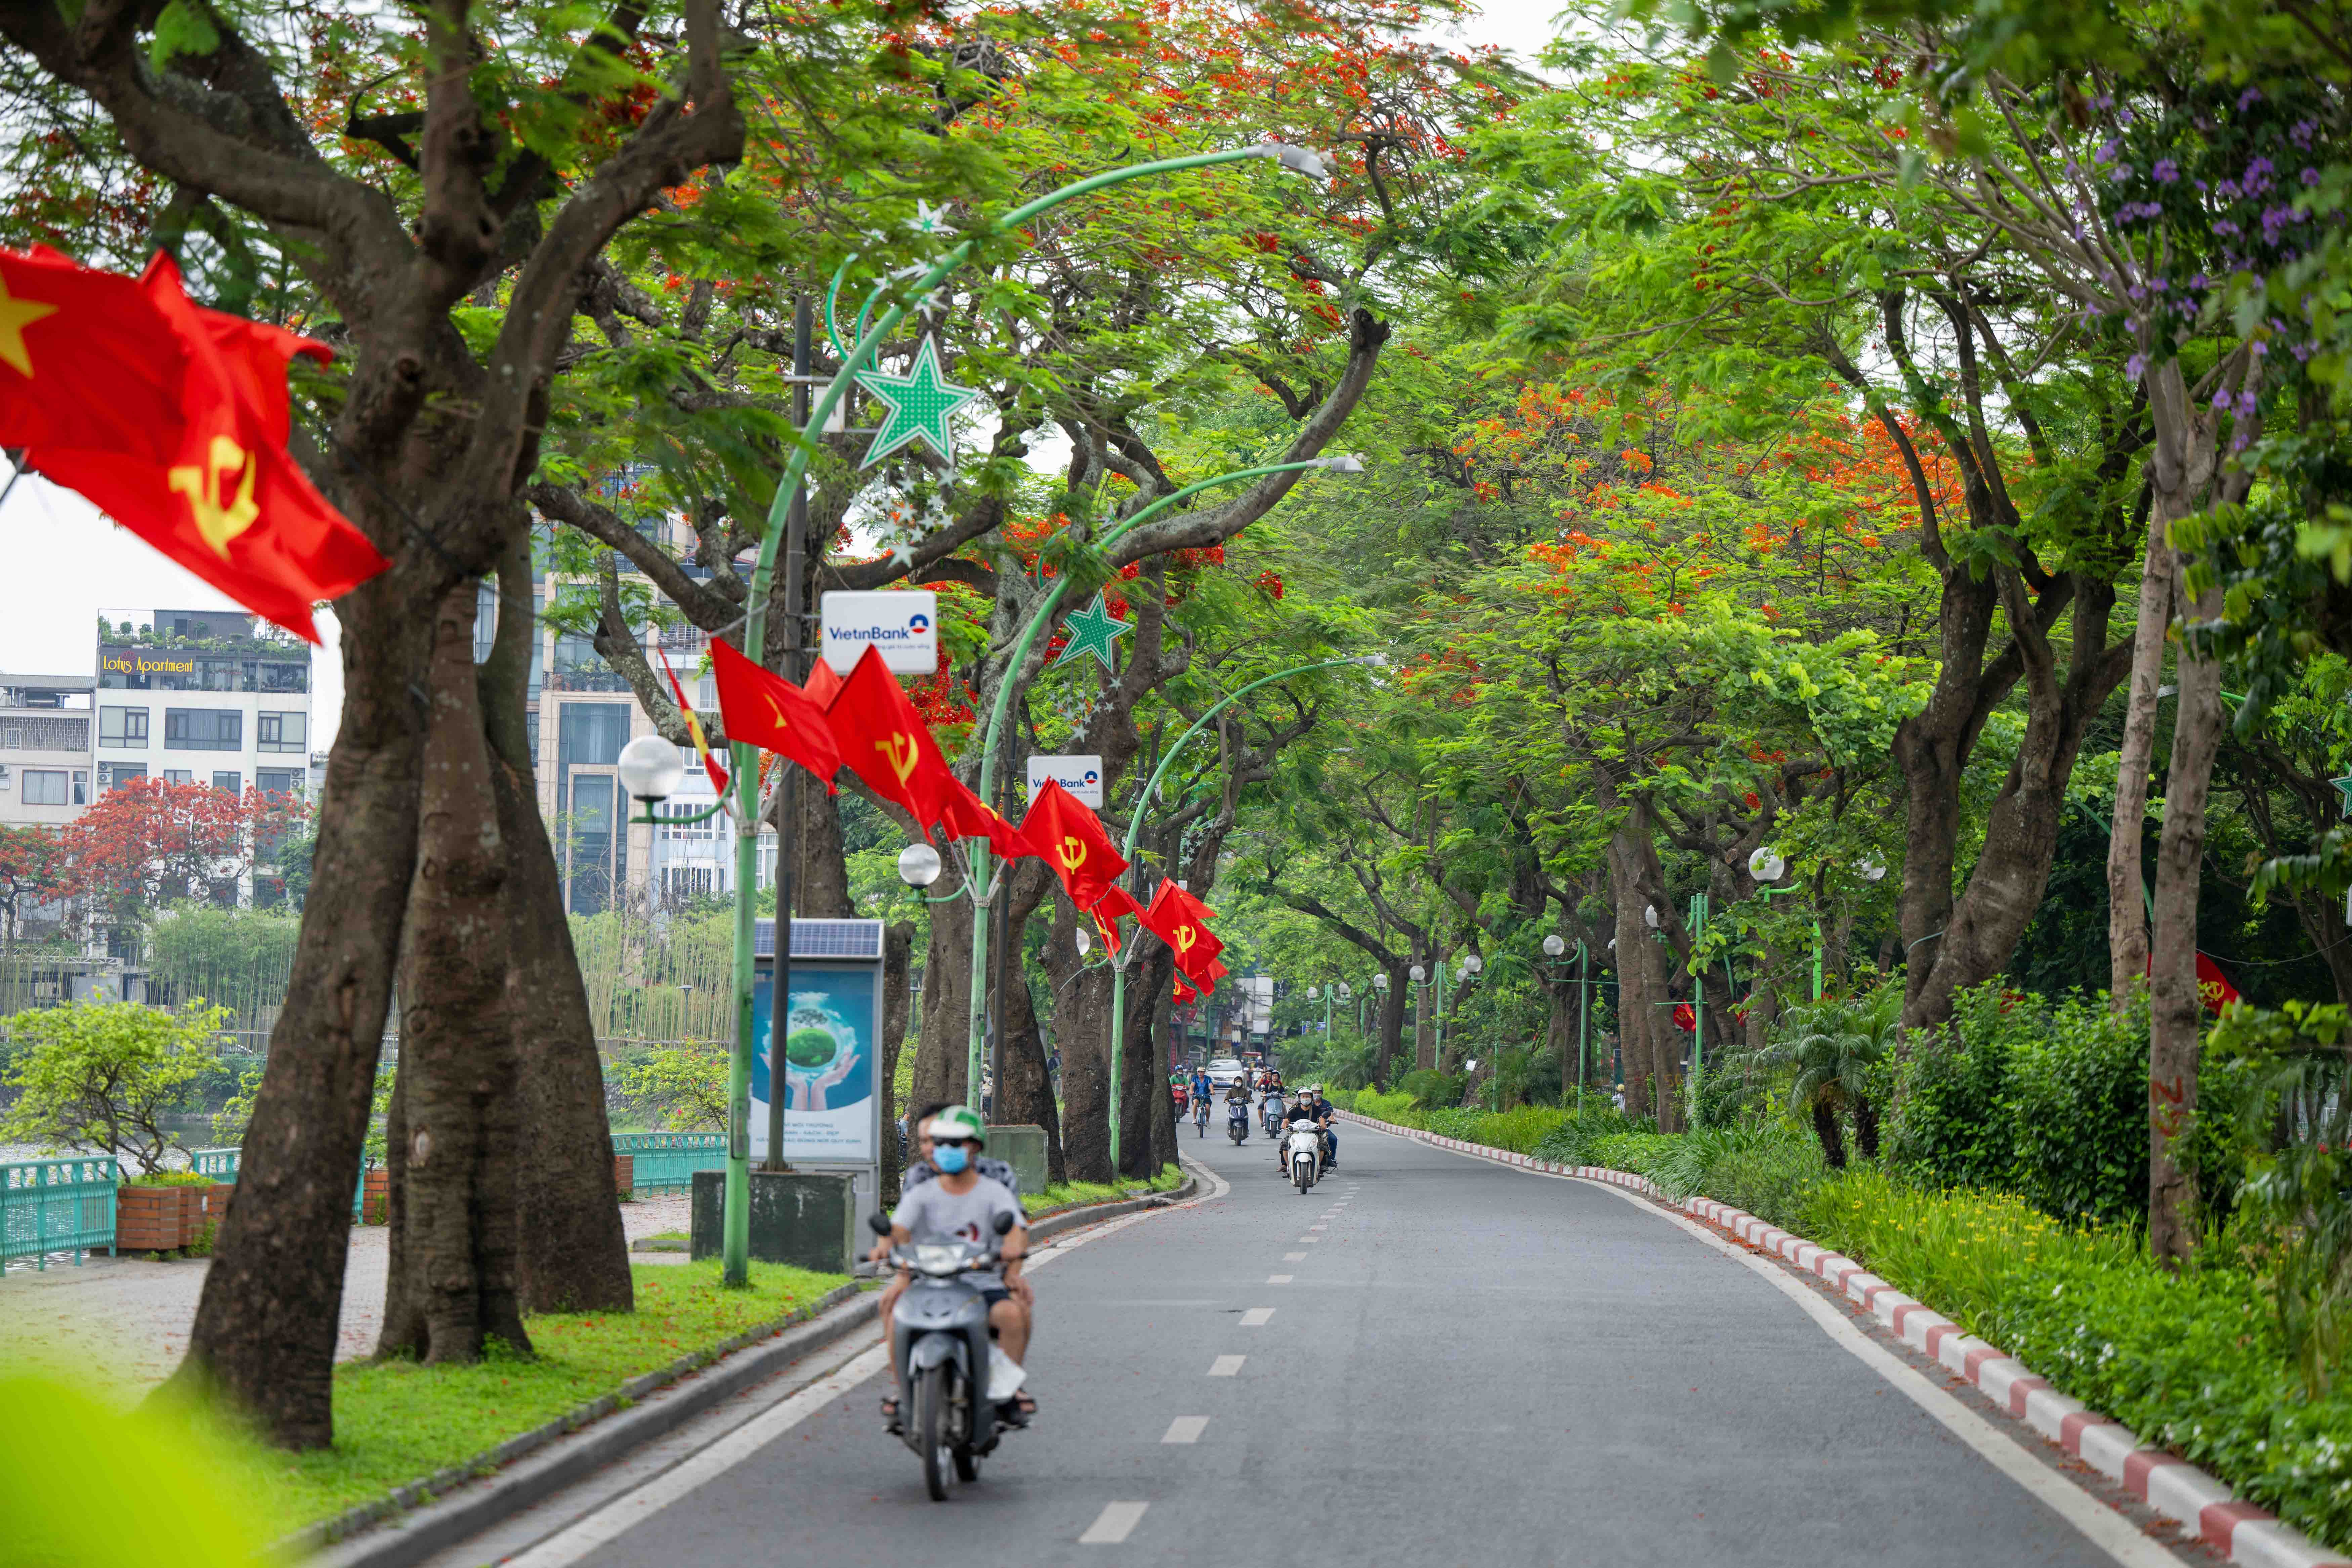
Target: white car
{"x": 1223, "y": 1070}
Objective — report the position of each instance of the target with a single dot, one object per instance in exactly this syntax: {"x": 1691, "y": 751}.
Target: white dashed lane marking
{"x": 1277, "y": 1279}
{"x": 1227, "y": 1366}
{"x": 1113, "y": 1524}
{"x": 1294, "y": 1257}
{"x": 1257, "y": 1317}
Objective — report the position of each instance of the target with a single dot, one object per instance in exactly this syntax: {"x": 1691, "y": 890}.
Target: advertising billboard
{"x": 833, "y": 1027}
{"x": 903, "y": 623}
{"x": 1081, "y": 775}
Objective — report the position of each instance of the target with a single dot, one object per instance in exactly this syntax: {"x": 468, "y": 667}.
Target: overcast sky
{"x": 65, "y": 561}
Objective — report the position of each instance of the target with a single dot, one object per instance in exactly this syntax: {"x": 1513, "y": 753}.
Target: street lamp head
{"x": 1472, "y": 963}
{"x": 1298, "y": 160}
{"x": 1085, "y": 940}
{"x": 1418, "y": 973}
{"x": 649, "y": 768}
{"x": 1650, "y": 916}
{"x": 1342, "y": 991}
{"x": 1380, "y": 981}
{"x": 919, "y": 865}
{"x": 1554, "y": 945}
{"x": 1872, "y": 868}
{"x": 1345, "y": 463}
{"x": 1315, "y": 992}
{"x": 1764, "y": 863}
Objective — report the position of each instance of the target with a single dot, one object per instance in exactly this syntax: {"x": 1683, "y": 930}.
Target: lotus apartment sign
{"x": 903, "y": 623}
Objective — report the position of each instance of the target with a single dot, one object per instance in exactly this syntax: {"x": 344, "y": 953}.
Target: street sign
{"x": 834, "y": 995}
{"x": 1081, "y": 775}
{"x": 903, "y": 624}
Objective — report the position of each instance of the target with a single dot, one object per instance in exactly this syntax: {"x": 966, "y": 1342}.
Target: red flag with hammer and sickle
{"x": 173, "y": 420}
{"x": 884, "y": 741}
{"x": 764, "y": 709}
{"x": 1181, "y": 921}
{"x": 1070, "y": 838}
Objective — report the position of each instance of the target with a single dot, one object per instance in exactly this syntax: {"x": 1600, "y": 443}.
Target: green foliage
{"x": 1431, "y": 1089}
{"x": 680, "y": 1088}
{"x": 105, "y": 1075}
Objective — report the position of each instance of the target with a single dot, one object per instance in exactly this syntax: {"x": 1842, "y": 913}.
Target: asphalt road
{"x": 1428, "y": 1360}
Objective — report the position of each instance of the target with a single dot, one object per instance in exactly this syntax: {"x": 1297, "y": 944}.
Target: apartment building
{"x": 213, "y": 697}
{"x": 46, "y": 765}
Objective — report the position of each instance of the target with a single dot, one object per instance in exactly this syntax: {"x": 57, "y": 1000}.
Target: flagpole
{"x": 1127, "y": 851}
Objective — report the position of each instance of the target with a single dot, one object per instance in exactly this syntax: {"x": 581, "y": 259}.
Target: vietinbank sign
{"x": 1082, "y": 776}
{"x": 903, "y": 624}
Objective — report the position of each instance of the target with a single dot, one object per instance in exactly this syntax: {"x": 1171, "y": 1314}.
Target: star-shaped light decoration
{"x": 921, "y": 403}
{"x": 2344, "y": 788}
{"x": 1093, "y": 630}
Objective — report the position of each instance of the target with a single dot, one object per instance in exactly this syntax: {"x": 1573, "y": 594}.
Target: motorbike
{"x": 1238, "y": 1122}
{"x": 941, "y": 1348}
{"x": 1270, "y": 1113}
{"x": 1304, "y": 1148}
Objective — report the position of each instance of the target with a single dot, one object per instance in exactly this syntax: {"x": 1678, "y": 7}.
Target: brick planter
{"x": 376, "y": 1203}
{"x": 624, "y": 1175}
{"x": 157, "y": 1219}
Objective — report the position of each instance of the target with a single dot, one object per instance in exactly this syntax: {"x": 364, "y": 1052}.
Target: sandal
{"x": 891, "y": 1415}
{"x": 1017, "y": 1410}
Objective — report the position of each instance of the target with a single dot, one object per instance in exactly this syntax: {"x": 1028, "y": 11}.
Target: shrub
{"x": 1772, "y": 1179}
{"x": 1573, "y": 1141}
{"x": 105, "y": 1075}
{"x": 1434, "y": 1090}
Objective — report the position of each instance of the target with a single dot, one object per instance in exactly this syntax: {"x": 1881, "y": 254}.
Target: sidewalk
{"x": 130, "y": 1317}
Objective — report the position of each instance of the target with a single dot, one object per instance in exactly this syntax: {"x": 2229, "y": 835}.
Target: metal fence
{"x": 665, "y": 1161}
{"x": 56, "y": 1205}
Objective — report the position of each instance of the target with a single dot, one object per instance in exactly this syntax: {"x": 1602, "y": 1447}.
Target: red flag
{"x": 1070, "y": 838}
{"x": 969, "y": 817}
{"x": 884, "y": 741}
{"x": 184, "y": 443}
{"x": 1115, "y": 902}
{"x": 2213, "y": 987}
{"x": 823, "y": 685}
{"x": 1182, "y": 921}
{"x": 693, "y": 724}
{"x": 766, "y": 711}
{"x": 1686, "y": 1018}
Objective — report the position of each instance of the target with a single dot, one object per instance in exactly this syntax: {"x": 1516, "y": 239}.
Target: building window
{"x": 592, "y": 839}
{"x": 530, "y": 723}
{"x": 282, "y": 731}
{"x": 233, "y": 783}
{"x": 124, "y": 727}
{"x": 204, "y": 730}
{"x": 590, "y": 734}
{"x": 279, "y": 781}
{"x": 82, "y": 787}
{"x": 45, "y": 786}
{"x": 13, "y": 739}
{"x": 114, "y": 776}
{"x": 179, "y": 777}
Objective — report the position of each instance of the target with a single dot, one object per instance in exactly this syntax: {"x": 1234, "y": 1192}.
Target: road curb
{"x": 540, "y": 1463}
{"x": 2169, "y": 1485}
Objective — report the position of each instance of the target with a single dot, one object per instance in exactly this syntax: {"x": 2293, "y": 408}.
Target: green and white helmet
{"x": 959, "y": 1121}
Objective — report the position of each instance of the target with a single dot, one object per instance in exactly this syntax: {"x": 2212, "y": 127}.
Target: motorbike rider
{"x": 1237, "y": 1103}
{"x": 1301, "y": 1114}
{"x": 958, "y": 1204}
{"x": 1271, "y": 1107}
{"x": 1312, "y": 1098}
{"x": 924, "y": 1169}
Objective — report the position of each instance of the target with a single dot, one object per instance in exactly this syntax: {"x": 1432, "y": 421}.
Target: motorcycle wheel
{"x": 931, "y": 1423}
{"x": 967, "y": 1465}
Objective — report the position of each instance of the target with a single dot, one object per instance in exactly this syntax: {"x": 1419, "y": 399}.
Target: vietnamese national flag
{"x": 174, "y": 420}
{"x": 693, "y": 724}
{"x": 1069, "y": 838}
{"x": 884, "y": 741}
{"x": 762, "y": 709}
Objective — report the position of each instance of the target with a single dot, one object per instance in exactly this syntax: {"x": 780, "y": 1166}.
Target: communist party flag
{"x": 174, "y": 420}
{"x": 821, "y": 685}
{"x": 1182, "y": 921}
{"x": 1115, "y": 902}
{"x": 969, "y": 817}
{"x": 693, "y": 725}
{"x": 1070, "y": 838}
{"x": 884, "y": 741}
{"x": 764, "y": 709}
{"x": 2213, "y": 987}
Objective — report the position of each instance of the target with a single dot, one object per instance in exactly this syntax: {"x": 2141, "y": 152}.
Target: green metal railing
{"x": 56, "y": 1205}
{"x": 221, "y": 1165}
{"x": 665, "y": 1161}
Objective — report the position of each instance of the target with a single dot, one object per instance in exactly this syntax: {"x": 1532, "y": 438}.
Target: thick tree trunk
{"x": 897, "y": 1009}
{"x": 1666, "y": 1040}
{"x": 1636, "y": 1017}
{"x": 1140, "y": 1076}
{"x": 2176, "y": 1011}
{"x": 942, "y": 1054}
{"x": 574, "y": 1251}
{"x": 1163, "y": 1102}
{"x": 1392, "y": 1023}
{"x": 1026, "y": 1095}
{"x": 265, "y": 1331}
{"x": 451, "y": 1283}
{"x": 1833, "y": 1136}
{"x": 1866, "y": 1128}
{"x": 821, "y": 889}
{"x": 1082, "y": 1028}
{"x": 2126, "y": 917}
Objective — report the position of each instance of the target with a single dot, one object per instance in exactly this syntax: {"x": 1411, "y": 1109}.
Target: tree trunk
{"x": 2127, "y": 919}
{"x": 1391, "y": 1024}
{"x": 897, "y": 1006}
{"x": 821, "y": 887}
{"x": 1140, "y": 1076}
{"x": 1866, "y": 1128}
{"x": 1666, "y": 1040}
{"x": 1833, "y": 1137}
{"x": 1634, "y": 1009}
{"x": 943, "y": 1054}
{"x": 1163, "y": 1100}
{"x": 1026, "y": 1095}
{"x": 2176, "y": 1011}
{"x": 574, "y": 1250}
{"x": 1082, "y": 1027}
{"x": 265, "y": 1331}
{"x": 451, "y": 1282}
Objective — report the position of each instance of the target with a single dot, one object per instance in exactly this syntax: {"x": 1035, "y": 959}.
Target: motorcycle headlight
{"x": 937, "y": 1260}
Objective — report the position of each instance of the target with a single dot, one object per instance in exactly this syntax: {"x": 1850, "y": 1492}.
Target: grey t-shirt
{"x": 931, "y": 1212}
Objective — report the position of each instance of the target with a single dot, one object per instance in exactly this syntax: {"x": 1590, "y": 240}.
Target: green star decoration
{"x": 921, "y": 403}
{"x": 1093, "y": 630}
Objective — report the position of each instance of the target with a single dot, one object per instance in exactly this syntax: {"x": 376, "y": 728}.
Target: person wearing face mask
{"x": 961, "y": 1205}
{"x": 926, "y": 1168}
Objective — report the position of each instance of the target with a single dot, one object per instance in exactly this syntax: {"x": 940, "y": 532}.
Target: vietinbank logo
{"x": 1082, "y": 776}
{"x": 902, "y": 624}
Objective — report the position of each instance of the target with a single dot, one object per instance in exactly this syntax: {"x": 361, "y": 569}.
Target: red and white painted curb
{"x": 2169, "y": 1485}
